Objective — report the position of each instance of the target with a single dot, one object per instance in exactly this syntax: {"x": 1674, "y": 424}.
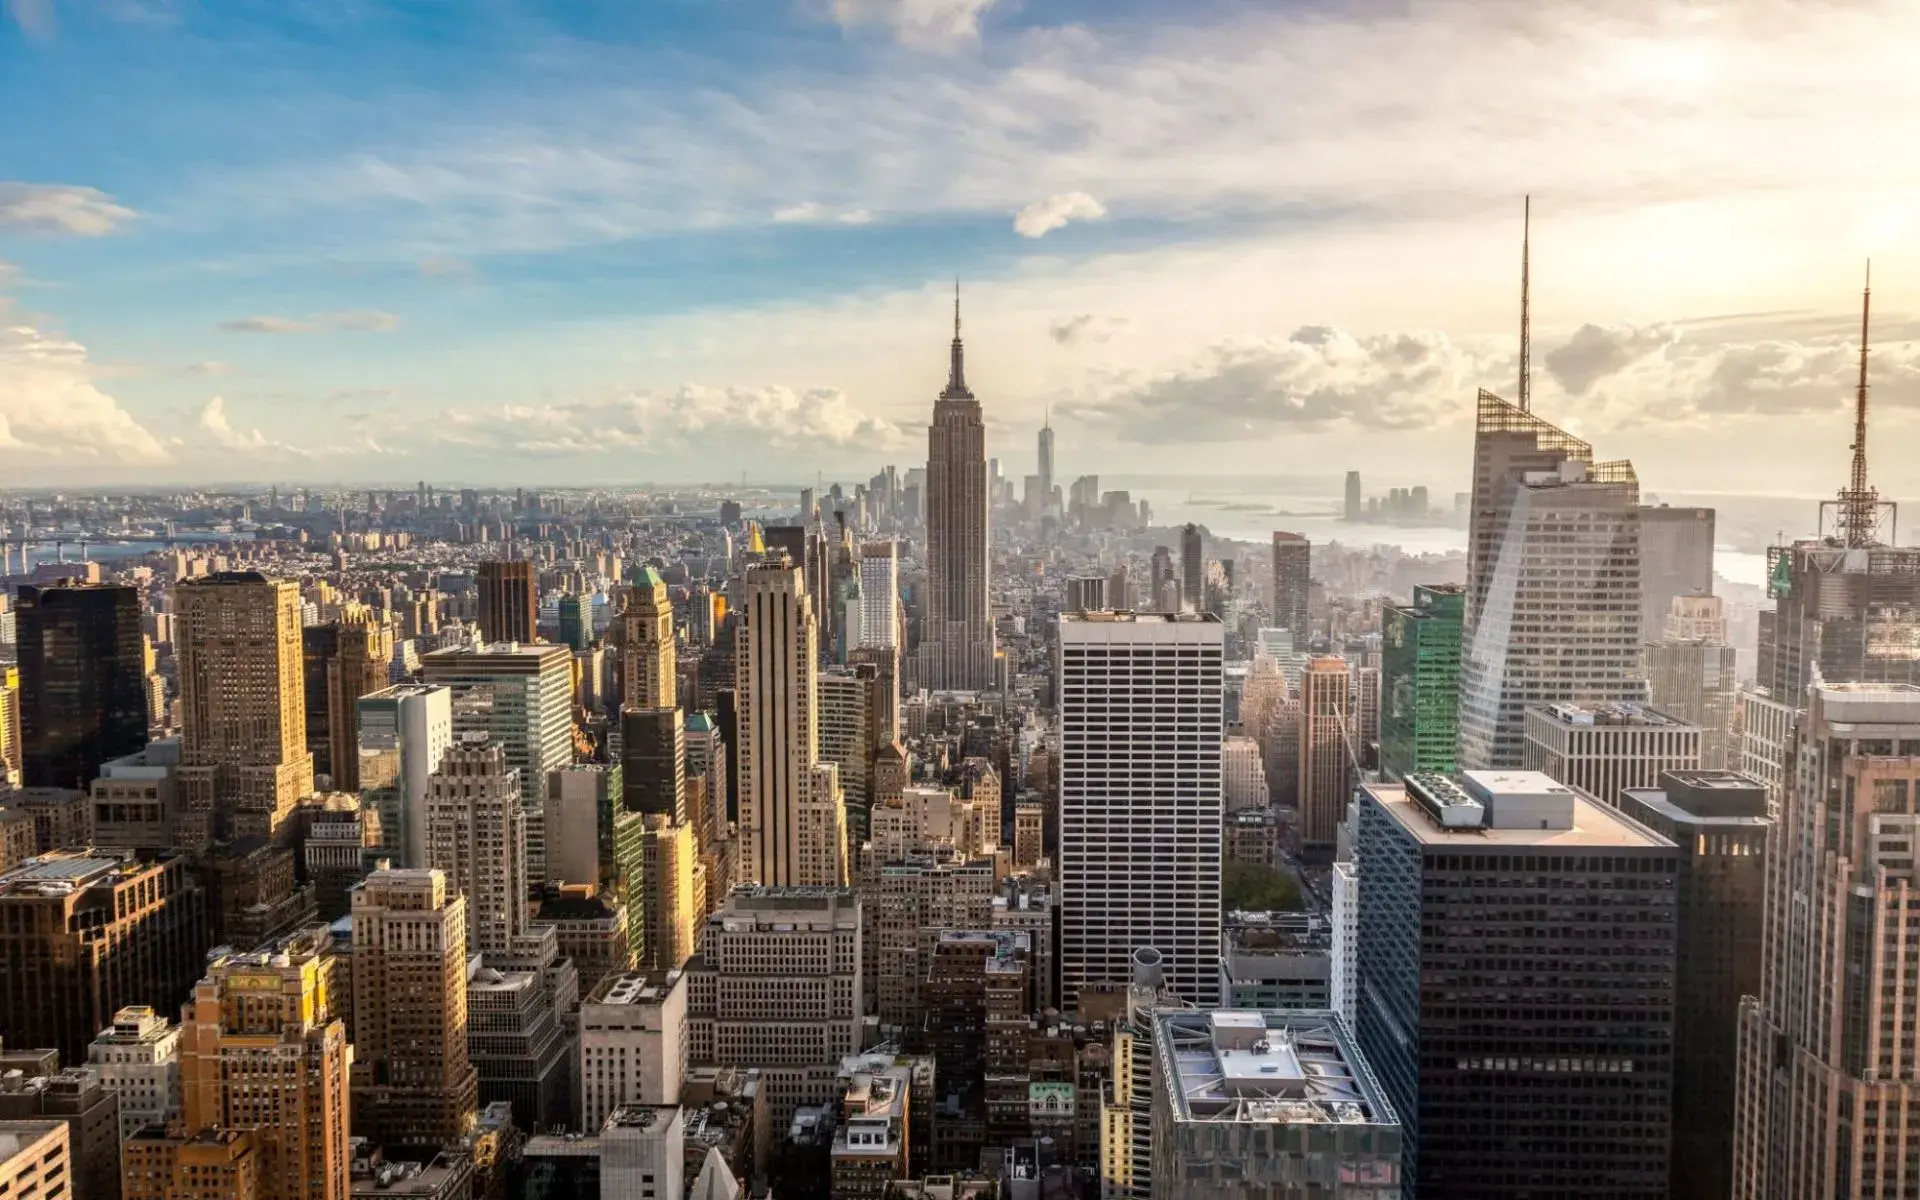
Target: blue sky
{"x": 674, "y": 240}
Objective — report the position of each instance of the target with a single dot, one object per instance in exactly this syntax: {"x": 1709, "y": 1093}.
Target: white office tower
{"x": 1245, "y": 774}
{"x": 633, "y": 1043}
{"x": 1345, "y": 885}
{"x": 1560, "y": 615}
{"x": 879, "y": 595}
{"x": 1140, "y": 798}
{"x": 138, "y": 1057}
{"x": 643, "y": 1151}
{"x": 404, "y": 732}
{"x": 789, "y": 809}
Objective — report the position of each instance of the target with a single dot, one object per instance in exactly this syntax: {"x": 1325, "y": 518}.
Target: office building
{"x": 476, "y": 836}
{"x": 521, "y": 697}
{"x": 872, "y": 1140}
{"x": 846, "y": 717}
{"x": 1693, "y": 674}
{"x": 87, "y": 933}
{"x": 643, "y": 1153}
{"x": 792, "y": 814}
{"x": 905, "y": 901}
{"x": 1354, "y": 504}
{"x": 1244, "y": 774}
{"x": 1045, "y": 462}
{"x": 413, "y": 1081}
{"x": 581, "y": 801}
{"x": 667, "y": 899}
{"x": 343, "y": 661}
{"x": 138, "y": 1059}
{"x": 633, "y": 1043}
{"x": 1292, "y": 582}
{"x": 78, "y": 1099}
{"x": 575, "y": 619}
{"x": 1343, "y": 972}
{"x": 1827, "y": 1066}
{"x": 1553, "y": 583}
{"x": 134, "y": 799}
{"x": 1604, "y": 749}
{"x": 1193, "y": 568}
{"x": 591, "y": 928}
{"x": 957, "y": 630}
{"x": 1326, "y": 753}
{"x": 1719, "y": 821}
{"x": 649, "y": 661}
{"x": 518, "y": 1046}
{"x": 404, "y": 731}
{"x": 36, "y": 1160}
{"x": 1420, "y": 681}
{"x": 1085, "y": 593}
{"x": 263, "y": 1050}
{"x": 82, "y": 693}
{"x": 244, "y": 761}
{"x": 509, "y": 601}
{"x": 777, "y": 986}
{"x": 1515, "y": 959}
{"x": 1249, "y": 1105}
{"x": 653, "y": 762}
{"x": 1140, "y": 798}
{"x": 1676, "y": 559}
{"x": 879, "y": 595}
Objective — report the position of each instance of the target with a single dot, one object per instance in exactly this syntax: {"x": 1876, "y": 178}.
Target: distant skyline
{"x": 371, "y": 241}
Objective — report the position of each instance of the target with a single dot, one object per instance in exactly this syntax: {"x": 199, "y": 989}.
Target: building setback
{"x": 1515, "y": 956}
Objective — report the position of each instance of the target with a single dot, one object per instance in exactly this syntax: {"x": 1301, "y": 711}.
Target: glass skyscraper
{"x": 1420, "y": 681}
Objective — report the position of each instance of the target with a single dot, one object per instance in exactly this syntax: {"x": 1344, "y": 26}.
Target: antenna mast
{"x": 1859, "y": 515}
{"x": 1526, "y": 308}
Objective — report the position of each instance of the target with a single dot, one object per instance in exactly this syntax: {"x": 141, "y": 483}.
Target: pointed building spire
{"x": 1859, "y": 508}
{"x": 1526, "y": 308}
{"x": 957, "y": 371}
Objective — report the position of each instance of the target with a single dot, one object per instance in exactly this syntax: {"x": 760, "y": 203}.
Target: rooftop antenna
{"x": 1526, "y": 307}
{"x": 1858, "y": 515}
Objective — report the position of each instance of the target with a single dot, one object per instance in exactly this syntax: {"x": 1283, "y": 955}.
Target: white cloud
{"x": 35, "y": 17}
{"x": 807, "y": 212}
{"x": 1044, "y": 216}
{"x": 51, "y": 411}
{"x": 922, "y": 24}
{"x": 55, "y": 209}
{"x": 368, "y": 321}
{"x": 213, "y": 422}
{"x": 694, "y": 423}
{"x": 1596, "y": 351}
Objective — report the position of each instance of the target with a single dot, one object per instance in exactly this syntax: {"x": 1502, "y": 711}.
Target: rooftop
{"x": 1291, "y": 1068}
{"x": 1130, "y": 617}
{"x": 1608, "y": 713}
{"x": 640, "y": 987}
{"x": 18, "y": 1136}
{"x": 1594, "y": 825}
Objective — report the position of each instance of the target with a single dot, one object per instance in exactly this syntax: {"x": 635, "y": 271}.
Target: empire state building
{"x": 957, "y": 642}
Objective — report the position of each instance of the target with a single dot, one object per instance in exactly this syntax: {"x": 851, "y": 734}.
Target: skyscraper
{"x": 262, "y": 1050}
{"x": 244, "y": 761}
{"x": 84, "y": 934}
{"x": 509, "y": 601}
{"x": 413, "y": 1082}
{"x": 1292, "y": 577}
{"x": 1827, "y": 1061}
{"x": 1720, "y": 823}
{"x": 789, "y": 805}
{"x": 404, "y": 732}
{"x": 343, "y": 662}
{"x": 648, "y": 660}
{"x": 1676, "y": 559}
{"x": 1326, "y": 775}
{"x": 879, "y": 595}
{"x": 1603, "y": 749}
{"x": 1693, "y": 674}
{"x": 653, "y": 771}
{"x": 476, "y": 836}
{"x": 82, "y": 681}
{"x": 1193, "y": 568}
{"x": 957, "y": 637}
{"x": 1046, "y": 463}
{"x": 1553, "y": 582}
{"x": 1141, "y": 721}
{"x": 1515, "y": 956}
{"x": 576, "y": 621}
{"x": 1353, "y": 499}
{"x": 1420, "y": 681}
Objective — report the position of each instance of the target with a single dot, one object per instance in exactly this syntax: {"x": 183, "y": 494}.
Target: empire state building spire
{"x": 957, "y": 372}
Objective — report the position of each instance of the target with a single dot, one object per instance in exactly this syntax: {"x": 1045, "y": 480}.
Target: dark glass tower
{"x": 82, "y": 682}
{"x": 509, "y": 601}
{"x": 1420, "y": 681}
{"x": 1515, "y": 986}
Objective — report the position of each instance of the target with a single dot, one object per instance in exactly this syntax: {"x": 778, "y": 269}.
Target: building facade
{"x": 1326, "y": 752}
{"x": 404, "y": 731}
{"x": 1604, "y": 749}
{"x": 82, "y": 693}
{"x": 1420, "y": 681}
{"x": 957, "y": 630}
{"x": 1141, "y": 723}
{"x": 509, "y": 601}
{"x": 1292, "y": 584}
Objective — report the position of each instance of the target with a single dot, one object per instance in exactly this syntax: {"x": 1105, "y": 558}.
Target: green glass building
{"x": 1420, "y": 681}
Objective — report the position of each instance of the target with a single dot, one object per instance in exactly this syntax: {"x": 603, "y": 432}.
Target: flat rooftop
{"x": 638, "y": 987}
{"x": 1127, "y": 616}
{"x": 1267, "y": 1068}
{"x": 1608, "y": 713}
{"x": 1595, "y": 826}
